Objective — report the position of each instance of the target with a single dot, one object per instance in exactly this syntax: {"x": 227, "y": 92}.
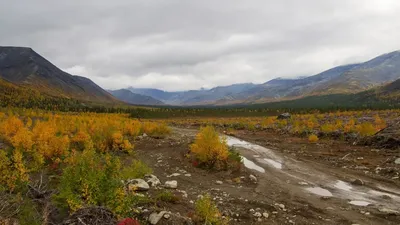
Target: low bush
{"x": 90, "y": 178}
{"x": 207, "y": 212}
{"x": 313, "y": 138}
{"x": 209, "y": 149}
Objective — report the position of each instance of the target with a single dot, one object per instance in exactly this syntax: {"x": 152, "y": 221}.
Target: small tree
{"x": 209, "y": 148}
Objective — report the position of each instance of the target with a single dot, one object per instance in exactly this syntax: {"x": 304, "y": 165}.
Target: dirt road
{"x": 289, "y": 189}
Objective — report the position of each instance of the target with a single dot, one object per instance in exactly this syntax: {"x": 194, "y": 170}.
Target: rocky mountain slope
{"x": 23, "y": 66}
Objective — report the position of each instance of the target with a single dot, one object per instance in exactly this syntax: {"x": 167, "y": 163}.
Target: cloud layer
{"x": 185, "y": 44}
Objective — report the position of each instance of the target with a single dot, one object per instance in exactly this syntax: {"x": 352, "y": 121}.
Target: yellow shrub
{"x": 313, "y": 138}
{"x": 366, "y": 129}
{"x": 208, "y": 147}
{"x": 208, "y": 213}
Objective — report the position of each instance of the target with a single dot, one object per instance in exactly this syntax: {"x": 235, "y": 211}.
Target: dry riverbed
{"x": 296, "y": 182}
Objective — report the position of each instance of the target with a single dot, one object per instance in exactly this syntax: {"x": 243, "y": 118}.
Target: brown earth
{"x": 281, "y": 191}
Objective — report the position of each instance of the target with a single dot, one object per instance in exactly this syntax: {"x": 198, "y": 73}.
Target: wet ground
{"x": 296, "y": 184}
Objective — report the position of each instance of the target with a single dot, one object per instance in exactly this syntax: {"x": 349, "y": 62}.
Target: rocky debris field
{"x": 276, "y": 192}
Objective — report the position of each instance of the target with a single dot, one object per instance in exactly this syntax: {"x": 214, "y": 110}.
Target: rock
{"x": 144, "y": 135}
{"x": 257, "y": 214}
{"x": 253, "y": 178}
{"x": 265, "y": 215}
{"x": 303, "y": 183}
{"x": 282, "y": 206}
{"x": 389, "y": 211}
{"x": 138, "y": 185}
{"x": 358, "y": 182}
{"x": 284, "y": 116}
{"x": 167, "y": 215}
{"x": 397, "y": 161}
{"x": 251, "y": 210}
{"x": 219, "y": 182}
{"x": 174, "y": 175}
{"x": 188, "y": 175}
{"x": 152, "y": 180}
{"x": 172, "y": 184}
{"x": 154, "y": 218}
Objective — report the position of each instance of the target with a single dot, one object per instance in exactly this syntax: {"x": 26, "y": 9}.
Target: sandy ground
{"x": 298, "y": 182}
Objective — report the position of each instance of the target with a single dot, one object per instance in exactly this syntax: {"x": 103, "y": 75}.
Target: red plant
{"x": 129, "y": 221}
{"x": 195, "y": 163}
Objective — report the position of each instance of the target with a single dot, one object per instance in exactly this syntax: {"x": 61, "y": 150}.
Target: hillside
{"x": 133, "y": 98}
{"x": 380, "y": 70}
{"x": 346, "y": 79}
{"x": 23, "y": 66}
{"x": 194, "y": 97}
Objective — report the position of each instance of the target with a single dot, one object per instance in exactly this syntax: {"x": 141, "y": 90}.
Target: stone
{"x": 138, "y": 185}
{"x": 144, "y": 135}
{"x": 171, "y": 184}
{"x": 253, "y": 178}
{"x": 154, "y": 218}
{"x": 174, "y": 175}
{"x": 265, "y": 215}
{"x": 397, "y": 161}
{"x": 358, "y": 182}
{"x": 282, "y": 206}
{"x": 303, "y": 183}
{"x": 219, "y": 182}
{"x": 152, "y": 180}
{"x": 167, "y": 215}
{"x": 389, "y": 211}
{"x": 188, "y": 175}
{"x": 284, "y": 116}
{"x": 257, "y": 214}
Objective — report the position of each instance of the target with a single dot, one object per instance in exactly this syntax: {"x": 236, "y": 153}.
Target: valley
{"x": 73, "y": 153}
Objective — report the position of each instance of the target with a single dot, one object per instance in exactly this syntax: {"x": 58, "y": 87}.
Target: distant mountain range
{"x": 338, "y": 80}
{"x": 24, "y": 68}
{"x": 137, "y": 99}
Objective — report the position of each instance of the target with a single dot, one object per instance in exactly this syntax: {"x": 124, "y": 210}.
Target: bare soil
{"x": 281, "y": 192}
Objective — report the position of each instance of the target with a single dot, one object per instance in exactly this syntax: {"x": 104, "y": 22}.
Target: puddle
{"x": 273, "y": 163}
{"x": 343, "y": 186}
{"x": 251, "y": 165}
{"x": 319, "y": 191}
{"x": 360, "y": 203}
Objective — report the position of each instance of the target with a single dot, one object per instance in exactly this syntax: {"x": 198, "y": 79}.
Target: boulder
{"x": 171, "y": 184}
{"x": 154, "y": 218}
{"x": 138, "y": 185}
{"x": 152, "y": 180}
{"x": 284, "y": 116}
{"x": 253, "y": 178}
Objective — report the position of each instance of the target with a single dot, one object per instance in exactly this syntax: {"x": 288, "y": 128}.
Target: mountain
{"x": 380, "y": 70}
{"x": 381, "y": 97}
{"x": 25, "y": 67}
{"x": 137, "y": 99}
{"x": 194, "y": 97}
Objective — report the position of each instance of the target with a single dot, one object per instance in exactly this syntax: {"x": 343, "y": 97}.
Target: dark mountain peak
{"x": 24, "y": 66}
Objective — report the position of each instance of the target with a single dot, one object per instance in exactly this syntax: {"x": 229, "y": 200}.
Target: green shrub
{"x": 167, "y": 196}
{"x": 207, "y": 212}
{"x": 90, "y": 178}
{"x": 137, "y": 169}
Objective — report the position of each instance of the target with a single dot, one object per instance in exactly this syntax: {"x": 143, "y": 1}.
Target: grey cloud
{"x": 185, "y": 44}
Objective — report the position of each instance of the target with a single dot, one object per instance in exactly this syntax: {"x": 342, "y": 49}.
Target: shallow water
{"x": 251, "y": 165}
{"x": 343, "y": 185}
{"x": 319, "y": 191}
{"x": 273, "y": 163}
{"x": 360, "y": 203}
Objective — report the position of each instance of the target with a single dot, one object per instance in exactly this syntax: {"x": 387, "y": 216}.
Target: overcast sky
{"x": 189, "y": 44}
